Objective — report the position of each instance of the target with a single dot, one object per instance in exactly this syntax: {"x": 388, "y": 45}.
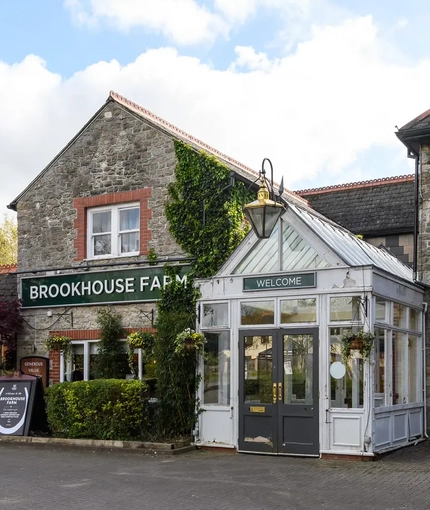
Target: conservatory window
{"x": 414, "y": 317}
{"x": 216, "y": 376}
{"x": 344, "y": 309}
{"x": 215, "y": 315}
{"x": 257, "y": 312}
{"x": 381, "y": 310}
{"x": 346, "y": 392}
{"x": 298, "y": 310}
{"x": 400, "y": 368}
{"x": 414, "y": 375}
{"x": 380, "y": 367}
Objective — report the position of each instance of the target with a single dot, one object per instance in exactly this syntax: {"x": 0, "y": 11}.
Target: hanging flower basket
{"x": 139, "y": 340}
{"x": 59, "y": 343}
{"x": 357, "y": 341}
{"x": 189, "y": 341}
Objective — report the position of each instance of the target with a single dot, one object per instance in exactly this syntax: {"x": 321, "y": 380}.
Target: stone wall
{"x": 424, "y": 251}
{"x": 116, "y": 152}
{"x": 83, "y": 326}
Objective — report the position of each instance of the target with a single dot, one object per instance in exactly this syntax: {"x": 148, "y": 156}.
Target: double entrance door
{"x": 278, "y": 391}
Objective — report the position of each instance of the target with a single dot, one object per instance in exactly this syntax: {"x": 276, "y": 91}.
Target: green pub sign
{"x": 280, "y": 281}
{"x": 98, "y": 287}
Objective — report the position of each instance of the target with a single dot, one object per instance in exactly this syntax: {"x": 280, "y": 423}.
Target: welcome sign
{"x": 282, "y": 281}
{"x": 98, "y": 287}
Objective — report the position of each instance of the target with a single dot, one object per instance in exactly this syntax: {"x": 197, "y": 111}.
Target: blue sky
{"x": 317, "y": 86}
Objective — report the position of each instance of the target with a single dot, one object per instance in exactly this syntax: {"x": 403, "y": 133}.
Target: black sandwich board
{"x": 17, "y": 395}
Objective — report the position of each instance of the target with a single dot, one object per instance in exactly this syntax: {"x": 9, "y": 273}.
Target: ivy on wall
{"x": 205, "y": 213}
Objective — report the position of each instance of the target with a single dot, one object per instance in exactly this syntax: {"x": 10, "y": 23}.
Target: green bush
{"x": 150, "y": 369}
{"x": 100, "y": 409}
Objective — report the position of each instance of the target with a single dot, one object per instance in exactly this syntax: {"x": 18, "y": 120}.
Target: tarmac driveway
{"x": 35, "y": 477}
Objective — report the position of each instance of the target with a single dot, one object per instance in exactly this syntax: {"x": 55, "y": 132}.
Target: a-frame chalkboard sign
{"x": 17, "y": 395}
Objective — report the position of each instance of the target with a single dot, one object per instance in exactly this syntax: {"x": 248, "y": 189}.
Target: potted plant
{"x": 360, "y": 340}
{"x": 188, "y": 340}
{"x": 59, "y": 343}
{"x": 139, "y": 340}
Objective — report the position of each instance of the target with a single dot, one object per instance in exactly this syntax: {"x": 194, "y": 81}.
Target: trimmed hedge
{"x": 100, "y": 409}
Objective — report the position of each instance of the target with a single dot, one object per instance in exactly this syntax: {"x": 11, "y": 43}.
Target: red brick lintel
{"x": 91, "y": 334}
{"x": 356, "y": 185}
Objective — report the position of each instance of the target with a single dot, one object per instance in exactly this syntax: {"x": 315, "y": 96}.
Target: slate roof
{"x": 371, "y": 208}
{"x": 413, "y": 132}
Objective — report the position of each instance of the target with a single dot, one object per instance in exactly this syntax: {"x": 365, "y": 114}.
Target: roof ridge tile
{"x": 359, "y": 184}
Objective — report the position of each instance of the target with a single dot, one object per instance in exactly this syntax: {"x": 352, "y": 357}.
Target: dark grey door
{"x": 278, "y": 391}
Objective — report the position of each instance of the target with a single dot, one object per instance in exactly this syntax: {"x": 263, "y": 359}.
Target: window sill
{"x": 113, "y": 257}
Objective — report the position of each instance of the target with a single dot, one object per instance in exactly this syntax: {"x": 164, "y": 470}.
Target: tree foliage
{"x": 205, "y": 212}
{"x": 8, "y": 241}
{"x": 11, "y": 322}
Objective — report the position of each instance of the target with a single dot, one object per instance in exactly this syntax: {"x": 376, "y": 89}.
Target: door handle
{"x": 280, "y": 391}
{"x": 274, "y": 393}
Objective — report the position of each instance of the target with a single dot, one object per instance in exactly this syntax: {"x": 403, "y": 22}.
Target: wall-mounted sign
{"x": 281, "y": 281}
{"x": 98, "y": 287}
{"x": 16, "y": 404}
{"x": 37, "y": 366}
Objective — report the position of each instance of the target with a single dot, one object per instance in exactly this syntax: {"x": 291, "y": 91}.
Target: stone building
{"x": 87, "y": 224}
{"x": 109, "y": 182}
{"x": 416, "y": 137}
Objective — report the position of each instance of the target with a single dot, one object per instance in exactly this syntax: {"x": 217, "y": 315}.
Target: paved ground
{"x": 38, "y": 478}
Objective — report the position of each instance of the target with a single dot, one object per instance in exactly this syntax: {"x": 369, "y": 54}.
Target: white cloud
{"x": 247, "y": 57}
{"x": 312, "y": 112}
{"x": 183, "y": 22}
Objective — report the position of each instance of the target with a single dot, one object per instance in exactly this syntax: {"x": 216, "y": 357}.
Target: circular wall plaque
{"x": 337, "y": 370}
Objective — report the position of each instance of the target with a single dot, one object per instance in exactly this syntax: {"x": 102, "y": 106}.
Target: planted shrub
{"x": 100, "y": 409}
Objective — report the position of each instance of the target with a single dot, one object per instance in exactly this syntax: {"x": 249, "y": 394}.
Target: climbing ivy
{"x": 205, "y": 213}
{"x": 177, "y": 378}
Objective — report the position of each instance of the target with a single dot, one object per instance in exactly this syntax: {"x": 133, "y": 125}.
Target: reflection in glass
{"x": 257, "y": 312}
{"x": 414, "y": 319}
{"x": 348, "y": 391}
{"x": 414, "y": 372}
{"x": 379, "y": 366}
{"x": 215, "y": 315}
{"x": 344, "y": 308}
{"x": 258, "y": 369}
{"x": 129, "y": 219}
{"x": 101, "y": 222}
{"x": 298, "y": 369}
{"x": 399, "y": 315}
{"x": 217, "y": 368}
{"x": 298, "y": 310}
{"x": 74, "y": 369}
{"x": 381, "y": 310}
{"x": 102, "y": 244}
{"x": 129, "y": 242}
{"x": 400, "y": 368}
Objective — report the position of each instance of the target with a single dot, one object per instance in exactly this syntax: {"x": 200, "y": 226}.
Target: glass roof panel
{"x": 297, "y": 254}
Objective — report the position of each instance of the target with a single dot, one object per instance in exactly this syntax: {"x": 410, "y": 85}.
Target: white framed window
{"x": 82, "y": 363}
{"x": 113, "y": 231}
